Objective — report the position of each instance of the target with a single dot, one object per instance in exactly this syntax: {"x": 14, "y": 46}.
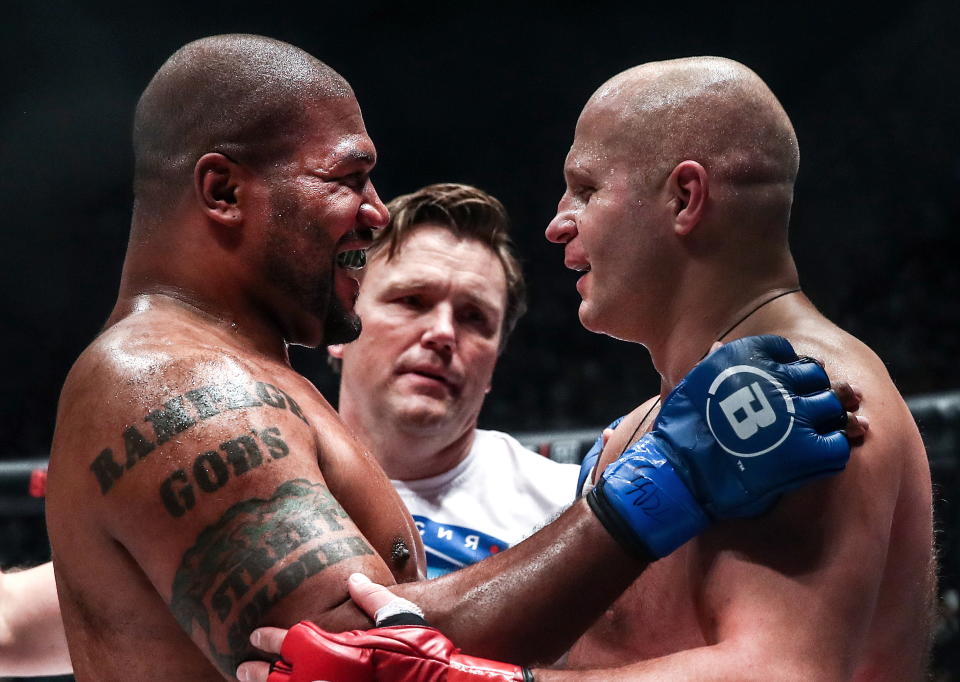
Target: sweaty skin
{"x": 204, "y": 437}
{"x": 198, "y": 486}
{"x": 680, "y": 181}
{"x": 858, "y": 591}
{"x": 232, "y": 496}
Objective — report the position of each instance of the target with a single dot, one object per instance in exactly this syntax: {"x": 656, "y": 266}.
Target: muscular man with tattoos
{"x": 199, "y": 487}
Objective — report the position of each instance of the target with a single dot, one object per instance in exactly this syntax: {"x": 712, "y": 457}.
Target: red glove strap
{"x": 308, "y": 653}
{"x": 400, "y": 653}
{"x": 471, "y": 669}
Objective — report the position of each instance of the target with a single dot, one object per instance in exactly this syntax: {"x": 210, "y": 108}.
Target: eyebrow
{"x": 356, "y": 155}
{"x": 416, "y": 285}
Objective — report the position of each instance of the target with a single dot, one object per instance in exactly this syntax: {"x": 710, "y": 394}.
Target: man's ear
{"x": 690, "y": 187}
{"x": 336, "y": 351}
{"x": 216, "y": 182}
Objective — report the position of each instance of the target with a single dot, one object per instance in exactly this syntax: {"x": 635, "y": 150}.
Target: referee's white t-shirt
{"x": 497, "y": 496}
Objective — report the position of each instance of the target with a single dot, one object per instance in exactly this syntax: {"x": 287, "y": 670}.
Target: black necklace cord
{"x": 736, "y": 324}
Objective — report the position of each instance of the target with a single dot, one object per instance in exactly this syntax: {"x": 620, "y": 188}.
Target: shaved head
{"x": 244, "y": 96}
{"x": 679, "y": 181}
{"x": 707, "y": 109}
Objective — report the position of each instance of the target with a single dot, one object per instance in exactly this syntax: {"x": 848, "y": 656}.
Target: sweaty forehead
{"x": 601, "y": 140}
{"x": 343, "y": 142}
{"x": 332, "y": 118}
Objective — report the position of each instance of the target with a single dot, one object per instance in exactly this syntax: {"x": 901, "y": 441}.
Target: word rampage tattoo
{"x": 180, "y": 413}
{"x": 256, "y": 554}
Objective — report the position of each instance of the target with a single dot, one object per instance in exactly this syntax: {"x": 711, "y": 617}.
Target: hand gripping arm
{"x": 747, "y": 424}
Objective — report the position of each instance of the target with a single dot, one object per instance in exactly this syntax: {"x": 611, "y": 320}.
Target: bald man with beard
{"x": 679, "y": 191}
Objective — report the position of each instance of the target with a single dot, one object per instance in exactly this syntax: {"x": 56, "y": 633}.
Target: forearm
{"x": 724, "y": 662}
{"x": 530, "y": 603}
{"x": 32, "y": 640}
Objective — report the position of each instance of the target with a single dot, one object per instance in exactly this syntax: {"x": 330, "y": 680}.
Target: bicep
{"x": 235, "y": 527}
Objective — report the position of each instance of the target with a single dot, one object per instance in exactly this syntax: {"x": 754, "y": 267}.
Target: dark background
{"x": 489, "y": 94}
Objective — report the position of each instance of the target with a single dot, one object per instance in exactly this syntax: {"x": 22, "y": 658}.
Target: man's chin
{"x": 609, "y": 325}
{"x": 424, "y": 416}
{"x": 588, "y": 318}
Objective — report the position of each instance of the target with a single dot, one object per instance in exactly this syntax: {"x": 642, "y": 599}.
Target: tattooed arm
{"x": 215, "y": 490}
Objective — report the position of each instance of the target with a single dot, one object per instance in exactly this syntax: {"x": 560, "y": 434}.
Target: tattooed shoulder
{"x": 211, "y": 469}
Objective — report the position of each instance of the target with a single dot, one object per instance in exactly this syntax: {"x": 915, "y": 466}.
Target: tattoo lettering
{"x": 256, "y": 554}
{"x": 211, "y": 470}
{"x": 172, "y": 419}
{"x": 179, "y": 414}
{"x": 136, "y": 445}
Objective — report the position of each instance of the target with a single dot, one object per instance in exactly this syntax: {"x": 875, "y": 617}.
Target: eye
{"x": 410, "y": 301}
{"x": 355, "y": 181}
{"x": 476, "y": 318}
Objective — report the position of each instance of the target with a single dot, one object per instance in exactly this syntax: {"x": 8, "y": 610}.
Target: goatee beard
{"x": 340, "y": 325}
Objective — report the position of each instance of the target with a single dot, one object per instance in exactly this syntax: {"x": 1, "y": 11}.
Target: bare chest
{"x": 656, "y": 616}
{"x": 358, "y": 483}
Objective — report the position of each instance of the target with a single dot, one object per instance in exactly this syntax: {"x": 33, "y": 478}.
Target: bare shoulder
{"x": 167, "y": 411}
{"x": 136, "y": 362}
{"x": 861, "y": 539}
{"x": 186, "y": 470}
{"x": 846, "y": 358}
{"x": 634, "y": 424}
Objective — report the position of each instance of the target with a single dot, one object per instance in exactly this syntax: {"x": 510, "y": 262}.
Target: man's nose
{"x": 372, "y": 211}
{"x": 440, "y": 334}
{"x": 563, "y": 227}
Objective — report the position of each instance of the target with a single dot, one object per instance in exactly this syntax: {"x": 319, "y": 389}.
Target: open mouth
{"x": 352, "y": 249}
{"x": 354, "y": 259}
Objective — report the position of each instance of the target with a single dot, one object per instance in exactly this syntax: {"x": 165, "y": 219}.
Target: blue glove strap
{"x": 644, "y": 504}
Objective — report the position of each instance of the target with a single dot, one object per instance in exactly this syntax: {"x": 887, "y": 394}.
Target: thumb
{"x": 376, "y": 600}
{"x": 369, "y": 596}
{"x": 606, "y": 436}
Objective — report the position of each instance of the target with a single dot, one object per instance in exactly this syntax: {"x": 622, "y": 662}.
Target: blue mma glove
{"x": 747, "y": 424}
{"x": 589, "y": 460}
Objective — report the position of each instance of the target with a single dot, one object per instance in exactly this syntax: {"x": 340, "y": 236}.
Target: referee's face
{"x": 432, "y": 318}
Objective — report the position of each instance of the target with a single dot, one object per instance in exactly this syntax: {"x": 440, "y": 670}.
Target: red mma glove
{"x": 398, "y": 653}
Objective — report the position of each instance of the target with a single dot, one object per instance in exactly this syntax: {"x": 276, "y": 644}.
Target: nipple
{"x": 400, "y": 553}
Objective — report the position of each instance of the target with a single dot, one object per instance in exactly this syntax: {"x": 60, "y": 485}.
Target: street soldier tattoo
{"x": 258, "y": 552}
